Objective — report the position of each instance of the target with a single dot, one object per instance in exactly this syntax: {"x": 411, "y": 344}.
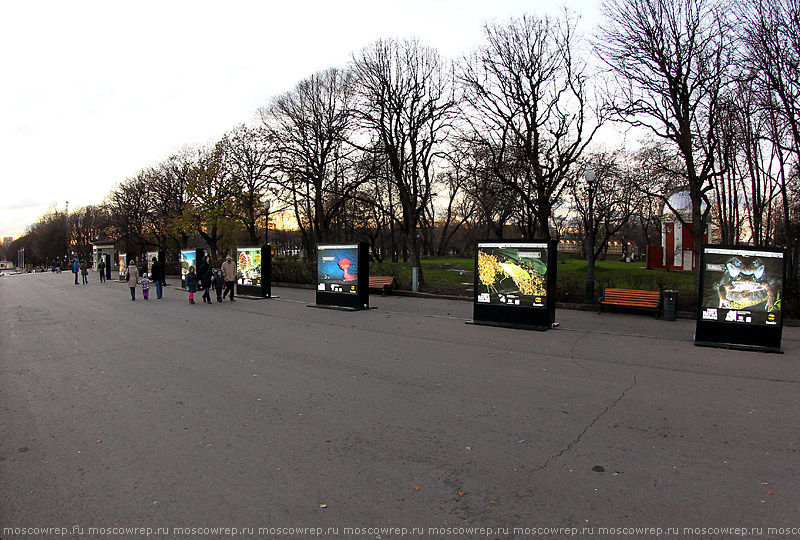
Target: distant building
{"x": 677, "y": 251}
{"x": 7, "y": 240}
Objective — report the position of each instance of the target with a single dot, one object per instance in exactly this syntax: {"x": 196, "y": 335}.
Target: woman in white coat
{"x": 132, "y": 277}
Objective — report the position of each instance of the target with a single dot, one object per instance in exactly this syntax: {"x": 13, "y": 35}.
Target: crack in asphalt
{"x": 588, "y": 427}
{"x": 572, "y": 355}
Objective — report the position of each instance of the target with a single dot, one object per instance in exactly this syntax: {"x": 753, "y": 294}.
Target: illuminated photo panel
{"x": 742, "y": 286}
{"x": 150, "y": 255}
{"x": 248, "y": 265}
{"x": 337, "y": 268}
{"x": 122, "y": 263}
{"x": 188, "y": 258}
{"x": 512, "y": 274}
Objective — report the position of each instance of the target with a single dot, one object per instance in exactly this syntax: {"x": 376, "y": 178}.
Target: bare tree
{"x": 46, "y": 240}
{"x": 671, "y": 61}
{"x": 211, "y": 196}
{"x": 87, "y": 224}
{"x": 406, "y": 106}
{"x": 528, "y": 104}
{"x": 130, "y": 209}
{"x": 645, "y": 181}
{"x": 450, "y": 207}
{"x": 309, "y": 129}
{"x": 603, "y": 198}
{"x": 727, "y": 187}
{"x": 169, "y": 187}
{"x": 771, "y": 34}
{"x": 248, "y": 159}
{"x": 494, "y": 201}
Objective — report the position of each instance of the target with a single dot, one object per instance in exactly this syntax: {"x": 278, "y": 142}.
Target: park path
{"x": 267, "y": 413}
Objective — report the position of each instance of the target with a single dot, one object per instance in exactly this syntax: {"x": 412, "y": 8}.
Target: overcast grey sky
{"x": 95, "y": 91}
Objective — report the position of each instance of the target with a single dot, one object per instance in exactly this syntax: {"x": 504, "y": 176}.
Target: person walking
{"x": 76, "y": 267}
{"x": 101, "y": 267}
{"x": 229, "y": 275}
{"x": 84, "y": 272}
{"x": 132, "y": 277}
{"x": 145, "y": 283}
{"x": 219, "y": 283}
{"x": 204, "y": 275}
{"x": 158, "y": 275}
{"x": 191, "y": 284}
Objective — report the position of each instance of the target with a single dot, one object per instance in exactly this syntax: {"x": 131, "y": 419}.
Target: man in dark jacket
{"x": 158, "y": 276}
{"x": 101, "y": 269}
{"x": 204, "y": 275}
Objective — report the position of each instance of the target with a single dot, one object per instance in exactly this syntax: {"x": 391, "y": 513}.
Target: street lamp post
{"x": 266, "y": 258}
{"x": 590, "y": 178}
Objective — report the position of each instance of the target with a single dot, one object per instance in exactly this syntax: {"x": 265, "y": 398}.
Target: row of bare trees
{"x": 420, "y": 155}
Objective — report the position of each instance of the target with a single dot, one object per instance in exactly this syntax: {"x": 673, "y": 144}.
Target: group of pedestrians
{"x": 206, "y": 278}
{"x": 79, "y": 268}
{"x": 157, "y": 276}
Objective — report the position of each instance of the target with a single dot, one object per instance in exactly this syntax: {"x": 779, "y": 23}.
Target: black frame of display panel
{"x": 264, "y": 289}
{"x": 346, "y": 300}
{"x": 513, "y": 316}
{"x": 737, "y": 335}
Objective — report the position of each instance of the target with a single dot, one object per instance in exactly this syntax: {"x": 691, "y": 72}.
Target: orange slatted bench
{"x": 631, "y": 298}
{"x": 382, "y": 283}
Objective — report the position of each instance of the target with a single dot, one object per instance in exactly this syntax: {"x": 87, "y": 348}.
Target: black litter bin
{"x": 670, "y": 305}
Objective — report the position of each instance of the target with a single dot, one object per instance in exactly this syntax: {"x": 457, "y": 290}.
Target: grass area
{"x": 443, "y": 275}
{"x": 631, "y": 275}
{"x": 455, "y": 275}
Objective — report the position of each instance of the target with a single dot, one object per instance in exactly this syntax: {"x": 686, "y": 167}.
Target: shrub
{"x": 287, "y": 271}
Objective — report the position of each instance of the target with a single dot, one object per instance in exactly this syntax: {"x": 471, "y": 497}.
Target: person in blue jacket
{"x": 191, "y": 284}
{"x": 76, "y": 267}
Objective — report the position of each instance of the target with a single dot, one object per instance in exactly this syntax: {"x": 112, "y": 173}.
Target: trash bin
{"x": 670, "y": 306}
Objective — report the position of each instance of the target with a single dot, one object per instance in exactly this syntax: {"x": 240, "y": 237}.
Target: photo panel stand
{"x": 343, "y": 276}
{"x": 741, "y": 296}
{"x": 254, "y": 272}
{"x": 189, "y": 257}
{"x": 515, "y": 284}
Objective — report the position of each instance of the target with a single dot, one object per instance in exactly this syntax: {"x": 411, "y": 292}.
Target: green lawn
{"x": 455, "y": 275}
{"x": 631, "y": 275}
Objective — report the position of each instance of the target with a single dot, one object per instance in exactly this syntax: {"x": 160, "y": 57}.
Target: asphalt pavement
{"x": 270, "y": 419}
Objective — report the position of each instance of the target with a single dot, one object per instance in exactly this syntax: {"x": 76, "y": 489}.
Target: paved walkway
{"x": 265, "y": 414}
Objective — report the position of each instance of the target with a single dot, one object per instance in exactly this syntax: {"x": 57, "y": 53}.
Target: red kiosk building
{"x": 677, "y": 243}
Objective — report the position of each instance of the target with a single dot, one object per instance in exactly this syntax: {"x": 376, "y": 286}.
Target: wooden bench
{"x": 631, "y": 298}
{"x": 382, "y": 283}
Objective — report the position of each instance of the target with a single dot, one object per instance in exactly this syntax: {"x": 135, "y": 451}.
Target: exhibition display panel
{"x": 741, "y": 297}
{"x": 188, "y": 258}
{"x": 253, "y": 271}
{"x": 343, "y": 275}
{"x": 515, "y": 283}
{"x": 122, "y": 265}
